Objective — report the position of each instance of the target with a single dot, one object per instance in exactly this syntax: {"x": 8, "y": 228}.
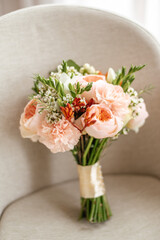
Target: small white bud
{"x": 111, "y": 75}
{"x": 92, "y": 69}
{"x": 86, "y": 66}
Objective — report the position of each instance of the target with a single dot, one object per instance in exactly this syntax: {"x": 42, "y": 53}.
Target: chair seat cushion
{"x": 52, "y": 213}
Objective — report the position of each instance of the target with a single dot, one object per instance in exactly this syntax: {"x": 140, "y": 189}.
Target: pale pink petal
{"x": 59, "y": 137}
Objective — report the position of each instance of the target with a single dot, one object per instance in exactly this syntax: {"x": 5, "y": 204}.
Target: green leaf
{"x": 88, "y": 87}
{"x": 123, "y": 71}
{"x": 135, "y": 68}
{"x": 71, "y": 63}
{"x": 55, "y": 83}
{"x": 35, "y": 88}
{"x": 64, "y": 66}
{"x": 72, "y": 90}
{"x": 126, "y": 86}
{"x": 58, "y": 87}
{"x": 78, "y": 88}
{"x": 125, "y": 79}
{"x": 131, "y": 79}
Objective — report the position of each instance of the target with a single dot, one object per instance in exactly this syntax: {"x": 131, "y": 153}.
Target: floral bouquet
{"x": 81, "y": 110}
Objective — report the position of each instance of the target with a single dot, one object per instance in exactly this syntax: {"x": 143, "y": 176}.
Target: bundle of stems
{"x": 87, "y": 152}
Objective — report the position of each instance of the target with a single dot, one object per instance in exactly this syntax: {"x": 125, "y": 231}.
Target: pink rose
{"x": 100, "y": 121}
{"x": 113, "y": 96}
{"x": 59, "y": 137}
{"x": 30, "y": 121}
{"x": 139, "y": 120}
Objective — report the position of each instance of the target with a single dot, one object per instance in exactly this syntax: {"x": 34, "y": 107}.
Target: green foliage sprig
{"x": 64, "y": 66}
{"x": 147, "y": 89}
{"x": 125, "y": 79}
{"x": 76, "y": 89}
{"x": 55, "y": 84}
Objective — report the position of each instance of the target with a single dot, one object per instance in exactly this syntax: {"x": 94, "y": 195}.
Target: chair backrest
{"x": 35, "y": 40}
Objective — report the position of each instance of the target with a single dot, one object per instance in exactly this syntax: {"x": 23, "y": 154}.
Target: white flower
{"x": 132, "y": 92}
{"x": 111, "y": 75}
{"x": 65, "y": 79}
{"x": 87, "y": 69}
{"x": 125, "y": 131}
{"x": 59, "y": 68}
{"x": 92, "y": 69}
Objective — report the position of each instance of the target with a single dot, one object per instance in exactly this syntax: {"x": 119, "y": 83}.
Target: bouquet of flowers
{"x": 81, "y": 110}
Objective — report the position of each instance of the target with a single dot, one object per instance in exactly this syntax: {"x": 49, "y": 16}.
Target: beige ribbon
{"x": 91, "y": 181}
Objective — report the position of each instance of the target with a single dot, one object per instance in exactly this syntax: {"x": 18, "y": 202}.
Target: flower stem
{"x": 87, "y": 150}
{"x": 93, "y": 151}
{"x": 92, "y": 210}
{"x": 82, "y": 145}
{"x": 99, "y": 149}
{"x": 95, "y": 209}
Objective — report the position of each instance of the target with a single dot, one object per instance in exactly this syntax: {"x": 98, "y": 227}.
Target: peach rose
{"x": 59, "y": 137}
{"x": 30, "y": 121}
{"x": 139, "y": 120}
{"x": 93, "y": 78}
{"x": 105, "y": 124}
{"x": 84, "y": 80}
{"x": 113, "y": 96}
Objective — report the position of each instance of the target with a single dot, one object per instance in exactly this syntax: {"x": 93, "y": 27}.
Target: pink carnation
{"x": 59, "y": 137}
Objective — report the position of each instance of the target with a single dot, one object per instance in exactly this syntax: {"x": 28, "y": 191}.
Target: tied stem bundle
{"x": 94, "y": 204}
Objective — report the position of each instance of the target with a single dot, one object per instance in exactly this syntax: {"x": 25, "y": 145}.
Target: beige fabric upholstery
{"x": 52, "y": 213}
{"x": 35, "y": 40}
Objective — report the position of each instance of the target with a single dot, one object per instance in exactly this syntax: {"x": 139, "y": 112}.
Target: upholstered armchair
{"x": 39, "y": 191}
